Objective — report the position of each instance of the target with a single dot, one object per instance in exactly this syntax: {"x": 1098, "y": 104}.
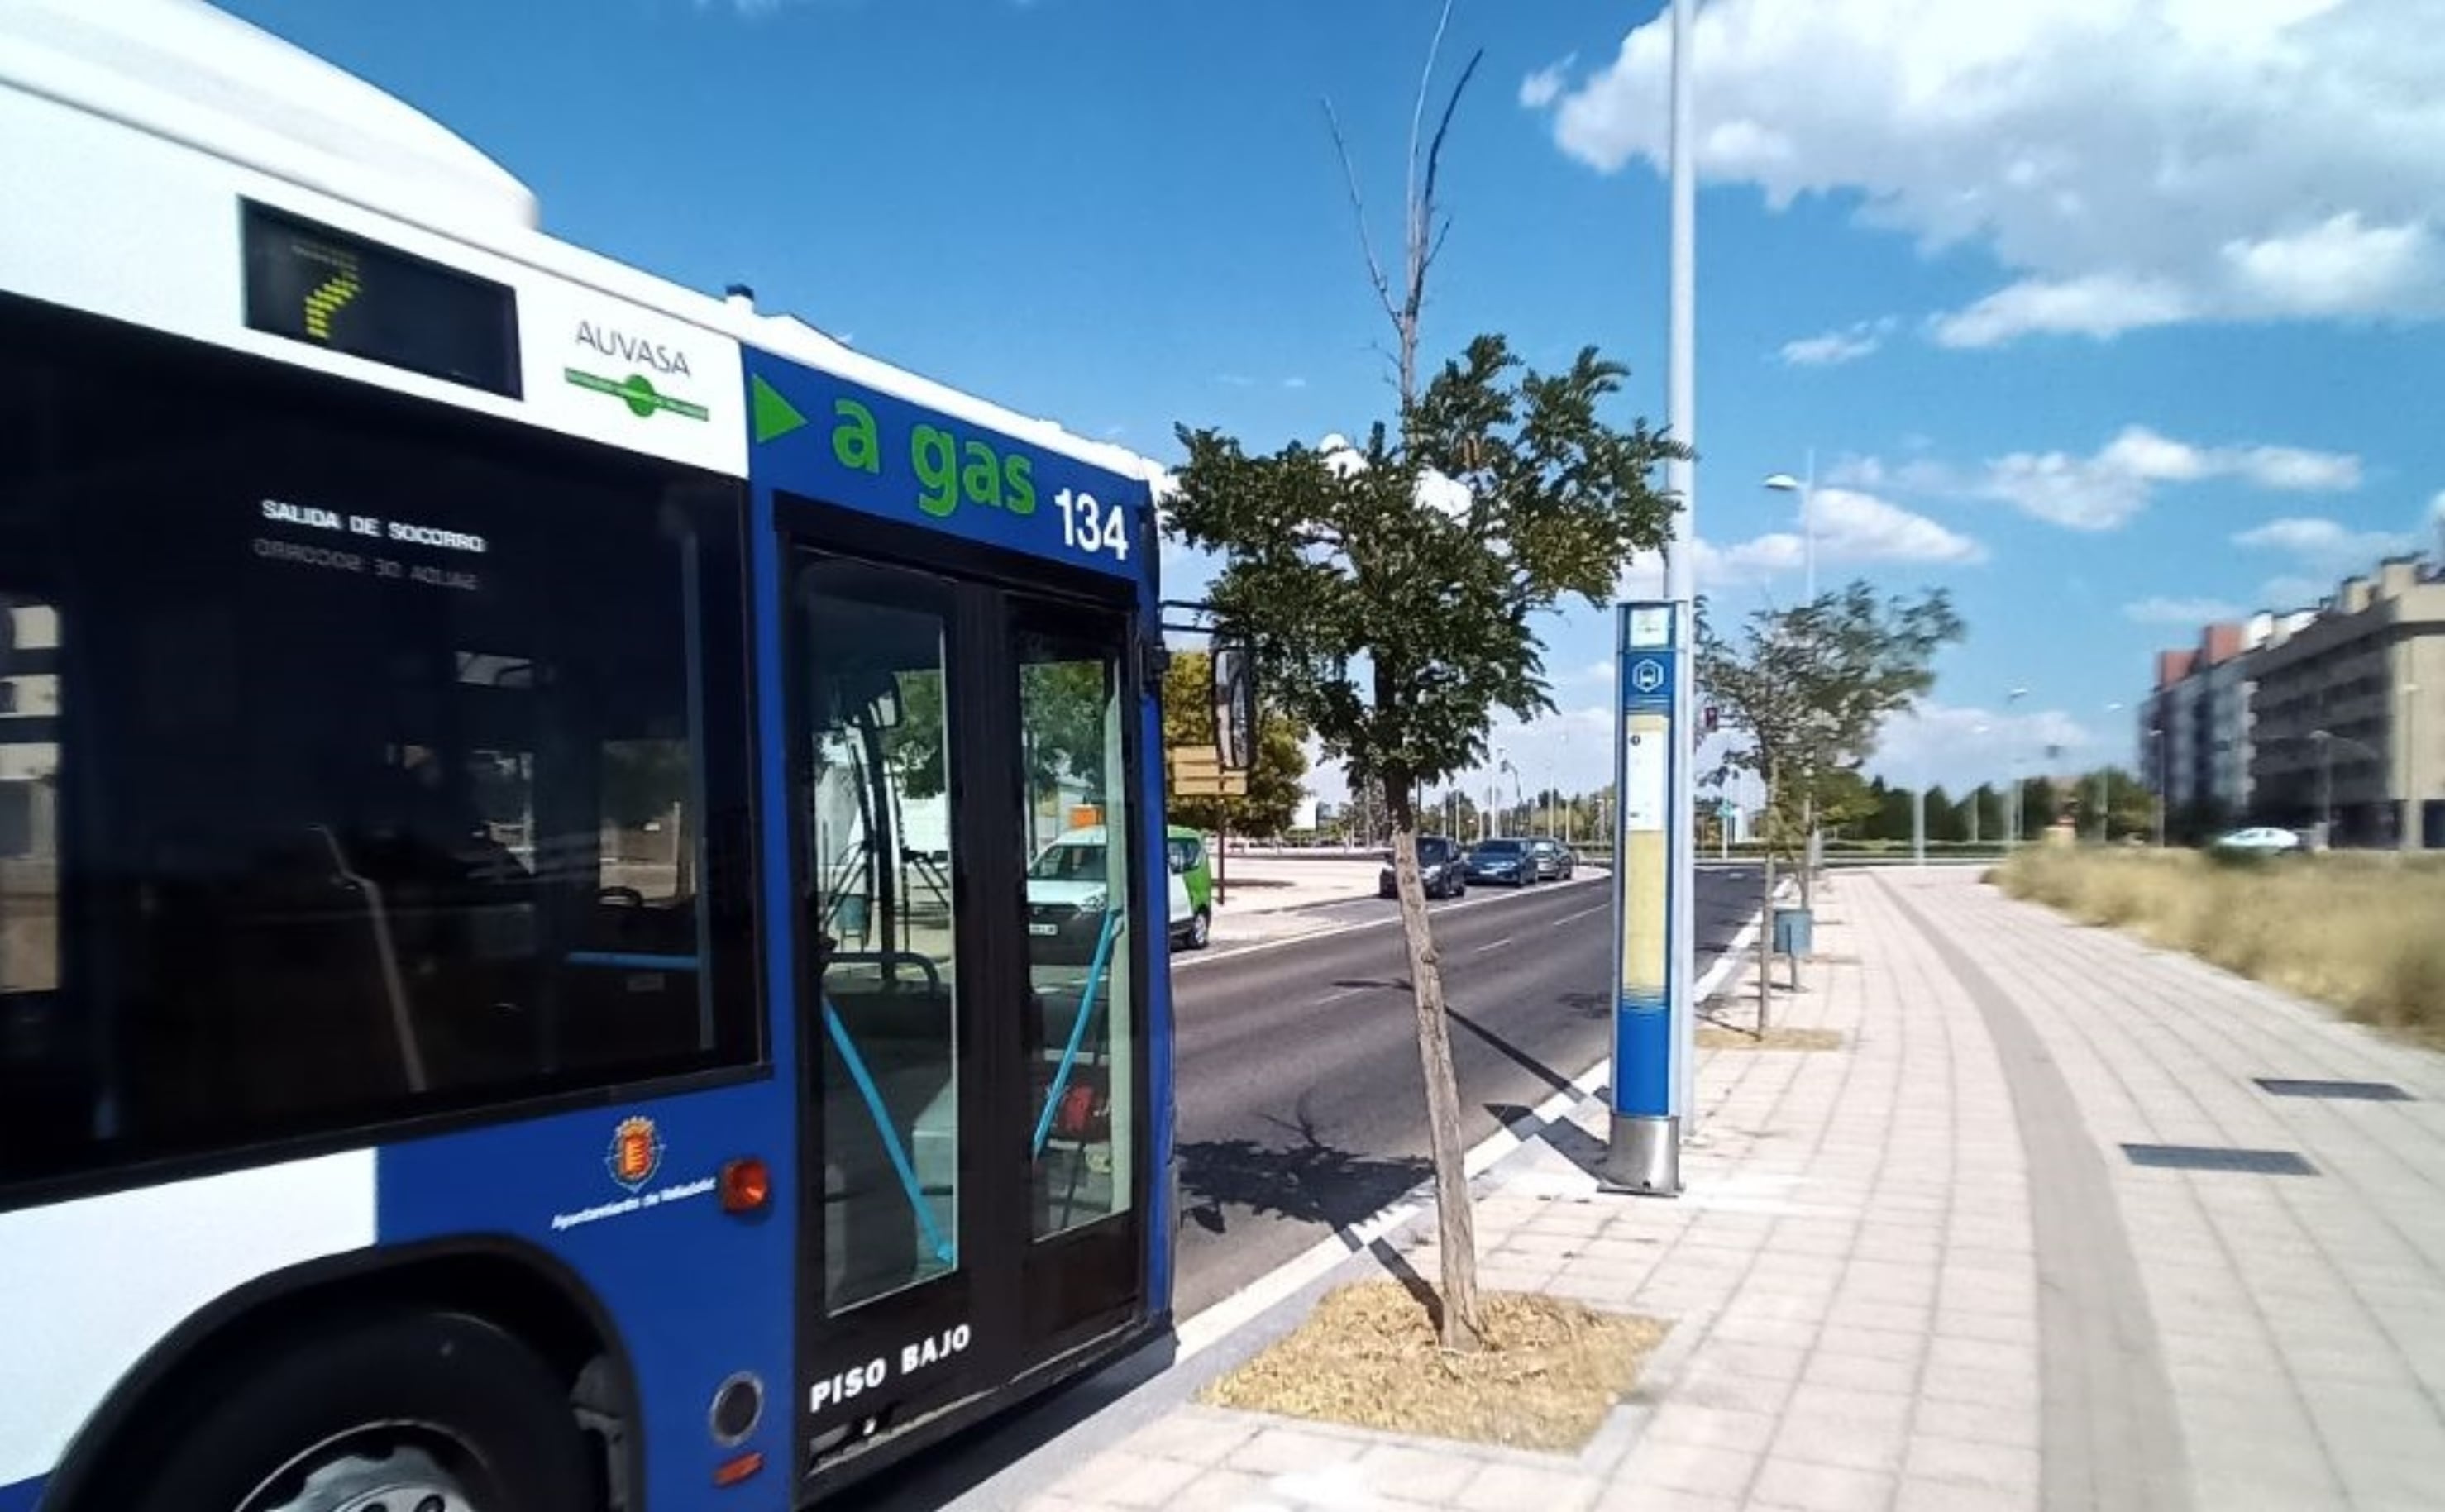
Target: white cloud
{"x": 2098, "y": 305}
{"x": 2108, "y": 486}
{"x": 1295, "y": 382}
{"x": 2129, "y": 163}
{"x": 1835, "y": 347}
{"x": 1545, "y": 86}
{"x": 2158, "y": 610}
{"x": 2322, "y": 545}
{"x": 1961, "y": 746}
{"x": 2436, "y": 508}
{"x": 2338, "y": 267}
{"x": 1853, "y": 530}
{"x": 2293, "y": 591}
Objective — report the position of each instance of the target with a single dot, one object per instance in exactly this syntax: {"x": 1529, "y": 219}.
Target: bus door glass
{"x": 1087, "y": 913}
{"x": 888, "y": 1016}
{"x": 972, "y": 1010}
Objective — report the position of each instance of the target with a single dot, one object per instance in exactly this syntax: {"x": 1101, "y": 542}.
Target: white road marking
{"x": 1218, "y": 1322}
{"x": 1496, "y": 945}
{"x": 1581, "y": 914}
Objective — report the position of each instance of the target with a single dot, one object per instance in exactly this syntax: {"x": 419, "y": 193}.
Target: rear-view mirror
{"x": 886, "y": 709}
{"x": 1235, "y": 705}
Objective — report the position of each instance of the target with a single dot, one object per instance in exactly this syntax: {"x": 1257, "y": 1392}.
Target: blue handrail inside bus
{"x": 891, "y": 1146}
{"x": 632, "y": 960}
{"x": 1077, "y": 1030}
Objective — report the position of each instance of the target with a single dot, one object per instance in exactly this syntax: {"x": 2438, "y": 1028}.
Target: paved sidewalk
{"x": 1921, "y": 1271}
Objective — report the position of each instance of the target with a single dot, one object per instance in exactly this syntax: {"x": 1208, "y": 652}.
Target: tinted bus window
{"x": 369, "y": 762}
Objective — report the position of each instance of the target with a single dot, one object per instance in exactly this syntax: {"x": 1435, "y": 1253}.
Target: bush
{"x": 2361, "y": 932}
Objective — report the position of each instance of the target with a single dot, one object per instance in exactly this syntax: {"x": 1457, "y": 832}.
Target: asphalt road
{"x": 1301, "y": 1106}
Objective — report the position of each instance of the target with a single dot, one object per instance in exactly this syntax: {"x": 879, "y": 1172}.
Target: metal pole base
{"x": 1643, "y": 1158}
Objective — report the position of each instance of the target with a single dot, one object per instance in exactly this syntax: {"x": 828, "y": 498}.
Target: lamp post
{"x": 2013, "y": 800}
{"x": 2326, "y": 741}
{"x": 2105, "y": 793}
{"x": 1975, "y": 731}
{"x": 2157, "y": 741}
{"x": 2412, "y": 834}
{"x": 1805, "y": 486}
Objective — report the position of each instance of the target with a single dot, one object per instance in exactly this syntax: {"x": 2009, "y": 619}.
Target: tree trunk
{"x": 1462, "y": 1324}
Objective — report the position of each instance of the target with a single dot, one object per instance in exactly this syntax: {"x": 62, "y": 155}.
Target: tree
{"x": 1944, "y": 816}
{"x": 1811, "y": 686}
{"x": 1065, "y": 702}
{"x": 1274, "y": 787}
{"x": 2041, "y": 806}
{"x": 1390, "y": 586}
{"x": 1895, "y": 815}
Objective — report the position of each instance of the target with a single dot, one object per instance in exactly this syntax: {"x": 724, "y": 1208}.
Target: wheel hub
{"x": 405, "y": 1480}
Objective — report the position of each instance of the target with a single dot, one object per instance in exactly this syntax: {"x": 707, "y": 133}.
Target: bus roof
{"x": 188, "y": 73}
{"x": 184, "y": 70}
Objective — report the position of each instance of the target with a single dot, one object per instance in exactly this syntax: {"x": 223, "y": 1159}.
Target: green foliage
{"x": 1812, "y": 684}
{"x": 1274, "y": 787}
{"x": 1063, "y": 706}
{"x": 1395, "y": 626}
{"x": 1944, "y": 819}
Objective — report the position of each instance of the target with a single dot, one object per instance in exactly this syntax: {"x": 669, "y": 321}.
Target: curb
{"x": 1245, "y": 1306}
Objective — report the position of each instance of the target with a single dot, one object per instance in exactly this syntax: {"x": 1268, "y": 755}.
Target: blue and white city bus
{"x": 518, "y": 987}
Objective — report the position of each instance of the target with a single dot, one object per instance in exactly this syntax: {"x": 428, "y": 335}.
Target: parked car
{"x": 1441, "y": 866}
{"x": 1068, "y": 899}
{"x": 1194, "y": 865}
{"x": 1555, "y": 860}
{"x": 2262, "y": 838}
{"x": 1511, "y": 863}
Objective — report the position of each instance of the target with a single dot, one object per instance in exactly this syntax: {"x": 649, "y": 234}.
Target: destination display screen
{"x": 310, "y": 283}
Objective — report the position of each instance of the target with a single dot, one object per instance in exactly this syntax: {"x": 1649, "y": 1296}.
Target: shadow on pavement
{"x": 1563, "y": 1136}
{"x": 1307, "y": 1180}
{"x": 1512, "y": 1052}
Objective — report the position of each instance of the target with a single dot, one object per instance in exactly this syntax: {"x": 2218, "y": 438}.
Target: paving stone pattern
{"x": 1890, "y": 1288}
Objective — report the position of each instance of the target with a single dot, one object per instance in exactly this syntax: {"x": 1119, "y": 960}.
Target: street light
{"x": 1975, "y": 731}
{"x": 2327, "y": 741}
{"x": 2156, "y": 741}
{"x": 1806, "y": 488}
{"x": 2105, "y": 793}
{"x": 2413, "y": 832}
{"x": 2012, "y": 804}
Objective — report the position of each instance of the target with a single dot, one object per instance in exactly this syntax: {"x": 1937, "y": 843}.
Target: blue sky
{"x": 2107, "y": 314}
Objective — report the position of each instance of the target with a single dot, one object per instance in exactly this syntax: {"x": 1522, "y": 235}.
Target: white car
{"x": 1067, "y": 899}
{"x": 2263, "y": 837}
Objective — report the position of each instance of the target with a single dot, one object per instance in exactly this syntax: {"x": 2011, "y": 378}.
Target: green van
{"x": 1193, "y": 864}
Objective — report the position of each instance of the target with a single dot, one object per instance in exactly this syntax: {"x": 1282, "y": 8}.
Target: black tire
{"x": 1200, "y": 930}
{"x": 493, "y": 1417}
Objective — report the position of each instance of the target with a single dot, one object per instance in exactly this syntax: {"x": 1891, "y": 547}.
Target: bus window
{"x": 1079, "y": 947}
{"x": 29, "y": 759}
{"x": 387, "y": 759}
{"x": 888, "y": 1001}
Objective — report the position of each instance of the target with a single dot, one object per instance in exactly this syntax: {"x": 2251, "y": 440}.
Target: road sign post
{"x": 1651, "y": 1017}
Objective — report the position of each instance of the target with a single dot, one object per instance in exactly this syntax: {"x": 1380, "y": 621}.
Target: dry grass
{"x": 1725, "y": 1037}
{"x": 2364, "y": 933}
{"x": 1368, "y": 1357}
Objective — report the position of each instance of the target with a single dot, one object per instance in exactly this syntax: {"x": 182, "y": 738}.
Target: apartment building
{"x": 2195, "y": 724}
{"x": 2349, "y": 712}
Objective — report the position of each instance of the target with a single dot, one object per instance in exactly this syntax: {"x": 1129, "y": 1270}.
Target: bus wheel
{"x": 1200, "y": 929}
{"x": 407, "y": 1412}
